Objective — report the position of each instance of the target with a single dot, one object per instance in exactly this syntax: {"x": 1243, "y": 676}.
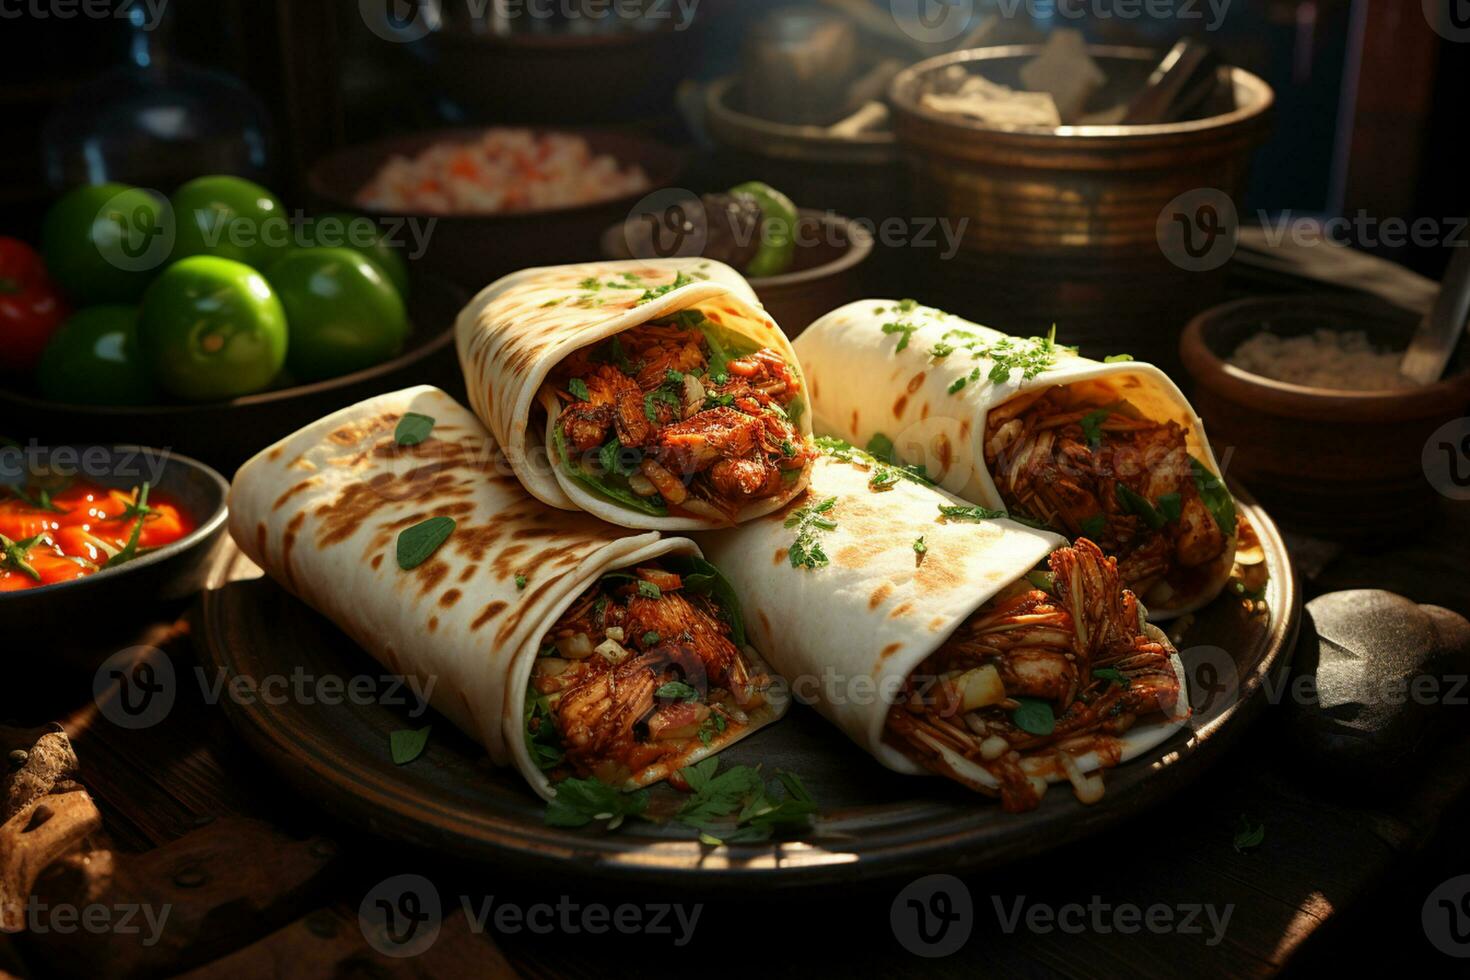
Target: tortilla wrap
{"x": 517, "y": 330}
{"x": 845, "y": 636}
{"x": 862, "y": 385}
{"x": 321, "y": 512}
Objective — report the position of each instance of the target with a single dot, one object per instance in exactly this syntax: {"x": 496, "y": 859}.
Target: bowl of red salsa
{"x": 87, "y": 529}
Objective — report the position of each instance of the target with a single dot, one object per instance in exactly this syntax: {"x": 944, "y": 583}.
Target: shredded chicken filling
{"x": 664, "y": 411}
{"x": 1087, "y": 463}
{"x": 637, "y": 672}
{"x": 1037, "y": 674}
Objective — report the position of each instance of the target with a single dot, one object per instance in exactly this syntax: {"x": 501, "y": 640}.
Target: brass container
{"x": 1067, "y": 225}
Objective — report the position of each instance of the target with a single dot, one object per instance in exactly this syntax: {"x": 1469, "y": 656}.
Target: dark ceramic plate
{"x": 174, "y": 571}
{"x": 225, "y": 434}
{"x": 875, "y": 823}
{"x": 473, "y": 250}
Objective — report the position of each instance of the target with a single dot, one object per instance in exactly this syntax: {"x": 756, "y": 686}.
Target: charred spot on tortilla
{"x": 490, "y": 611}
{"x": 916, "y": 382}
{"x": 376, "y": 562}
{"x": 889, "y": 650}
{"x": 433, "y": 623}
{"x": 294, "y": 490}
{"x": 448, "y": 599}
{"x": 899, "y": 405}
{"x": 881, "y": 593}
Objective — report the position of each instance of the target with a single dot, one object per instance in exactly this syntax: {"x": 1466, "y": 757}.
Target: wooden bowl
{"x": 823, "y": 277}
{"x": 173, "y": 571}
{"x": 1334, "y": 463}
{"x": 475, "y": 250}
{"x": 225, "y": 434}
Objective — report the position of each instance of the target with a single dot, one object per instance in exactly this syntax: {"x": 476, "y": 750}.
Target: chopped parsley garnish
{"x": 1112, "y": 674}
{"x": 881, "y": 447}
{"x": 958, "y": 383}
{"x": 920, "y": 548}
{"x": 1092, "y": 426}
{"x": 971, "y": 512}
{"x": 941, "y": 350}
{"x": 520, "y": 582}
{"x": 550, "y": 302}
{"x": 649, "y": 295}
{"x": 713, "y": 725}
{"x": 885, "y": 475}
{"x": 578, "y": 388}
{"x": 1034, "y": 716}
{"x": 650, "y": 638}
{"x": 806, "y": 550}
{"x": 739, "y": 806}
{"x": 578, "y": 802}
{"x": 650, "y": 400}
{"x": 1249, "y": 835}
{"x": 543, "y": 741}
{"x": 1213, "y": 492}
{"x": 676, "y": 691}
{"x": 905, "y": 329}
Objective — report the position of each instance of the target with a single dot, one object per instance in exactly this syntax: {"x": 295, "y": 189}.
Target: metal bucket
{"x": 1069, "y": 225}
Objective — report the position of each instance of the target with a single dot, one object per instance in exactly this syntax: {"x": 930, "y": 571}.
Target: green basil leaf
{"x": 413, "y": 429}
{"x": 676, "y": 691}
{"x": 407, "y": 744}
{"x": 1034, "y": 716}
{"x": 417, "y": 543}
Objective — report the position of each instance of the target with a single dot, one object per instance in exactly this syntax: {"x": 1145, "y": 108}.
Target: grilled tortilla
{"x": 887, "y": 593}
{"x": 522, "y": 336}
{"x": 1109, "y": 451}
{"x": 324, "y": 512}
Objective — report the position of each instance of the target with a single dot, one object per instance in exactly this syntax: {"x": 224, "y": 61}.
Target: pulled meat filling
{"x": 637, "y": 672}
{"x": 1088, "y": 464}
{"x": 663, "y": 412}
{"x": 1035, "y": 679}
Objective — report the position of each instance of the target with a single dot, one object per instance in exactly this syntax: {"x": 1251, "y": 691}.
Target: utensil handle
{"x": 1434, "y": 342}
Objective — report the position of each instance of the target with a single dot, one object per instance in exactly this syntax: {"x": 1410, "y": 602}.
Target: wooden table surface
{"x": 262, "y": 883}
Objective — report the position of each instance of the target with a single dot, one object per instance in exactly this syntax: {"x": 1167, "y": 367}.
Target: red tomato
{"x": 30, "y": 306}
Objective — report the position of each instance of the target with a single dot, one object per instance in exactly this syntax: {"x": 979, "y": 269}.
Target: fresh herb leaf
{"x": 920, "y": 548}
{"x": 417, "y": 543}
{"x": 676, "y": 691}
{"x": 578, "y": 802}
{"x": 971, "y": 512}
{"x": 736, "y": 805}
{"x": 1092, "y": 426}
{"x": 649, "y": 591}
{"x": 1217, "y": 498}
{"x": 1117, "y": 358}
{"x": 578, "y": 389}
{"x": 941, "y": 350}
{"x": 1134, "y": 502}
{"x": 806, "y": 550}
{"x": 1094, "y": 526}
{"x": 906, "y": 330}
{"x": 884, "y": 475}
{"x": 1249, "y": 835}
{"x": 1043, "y": 580}
{"x": 407, "y": 744}
{"x": 651, "y": 637}
{"x": 649, "y": 295}
{"x": 520, "y": 582}
{"x": 713, "y": 725}
{"x": 881, "y": 448}
{"x": 1170, "y": 506}
{"x": 543, "y": 741}
{"x": 613, "y": 459}
{"x": 138, "y": 507}
{"x": 413, "y": 429}
{"x": 1110, "y": 674}
{"x": 601, "y": 483}
{"x": 1034, "y": 716}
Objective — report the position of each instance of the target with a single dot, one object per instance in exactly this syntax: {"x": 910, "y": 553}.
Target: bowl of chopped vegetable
{"x": 86, "y": 531}
{"x": 483, "y": 202}
{"x": 1303, "y": 395}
